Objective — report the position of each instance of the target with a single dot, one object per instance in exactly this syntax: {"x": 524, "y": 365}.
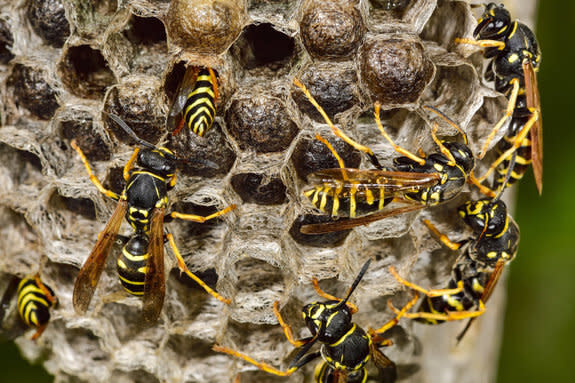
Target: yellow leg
{"x": 286, "y": 327}
{"x": 199, "y": 218}
{"x": 130, "y": 164}
{"x": 447, "y": 316}
{"x": 448, "y": 120}
{"x": 338, "y": 132}
{"x": 93, "y": 178}
{"x": 508, "y": 113}
{"x": 442, "y": 237}
{"x": 261, "y": 365}
{"x": 51, "y": 298}
{"x": 481, "y": 43}
{"x": 215, "y": 82}
{"x": 430, "y": 293}
{"x": 442, "y": 148}
{"x": 395, "y": 320}
{"x": 482, "y": 188}
{"x": 397, "y": 148}
{"x": 330, "y": 297}
{"x": 516, "y": 143}
{"x": 331, "y": 149}
{"x": 184, "y": 269}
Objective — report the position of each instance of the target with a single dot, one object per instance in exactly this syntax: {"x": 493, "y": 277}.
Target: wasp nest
{"x": 64, "y": 64}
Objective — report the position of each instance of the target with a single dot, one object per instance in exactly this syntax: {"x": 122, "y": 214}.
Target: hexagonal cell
{"x": 331, "y": 29}
{"x": 85, "y": 72}
{"x": 334, "y": 86}
{"x": 259, "y": 188}
{"x": 147, "y": 37}
{"x": 444, "y": 33}
{"x": 137, "y": 102}
{"x": 114, "y": 180}
{"x": 22, "y": 235}
{"x": 260, "y": 122}
{"x": 395, "y": 70}
{"x": 204, "y": 26}
{"x": 402, "y": 15}
{"x": 91, "y": 18}
{"x": 209, "y": 156}
{"x": 48, "y": 19}
{"x": 333, "y": 239}
{"x": 6, "y": 41}
{"x": 453, "y": 91}
{"x": 311, "y": 155}
{"x": 145, "y": 31}
{"x": 79, "y": 125}
{"x": 262, "y": 45}
{"x": 82, "y": 206}
{"x": 390, "y": 5}
{"x": 32, "y": 91}
{"x": 25, "y": 169}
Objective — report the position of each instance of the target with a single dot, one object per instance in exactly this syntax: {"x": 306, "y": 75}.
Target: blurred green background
{"x": 539, "y": 337}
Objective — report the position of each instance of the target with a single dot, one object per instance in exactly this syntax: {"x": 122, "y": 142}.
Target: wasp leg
{"x": 330, "y": 297}
{"x": 215, "y": 84}
{"x": 508, "y": 113}
{"x": 130, "y": 164}
{"x": 184, "y": 269}
{"x": 199, "y": 218}
{"x": 482, "y": 188}
{"x": 447, "y": 316}
{"x": 397, "y": 148}
{"x": 39, "y": 332}
{"x": 442, "y": 237}
{"x": 430, "y": 293}
{"x": 480, "y": 43}
{"x": 51, "y": 298}
{"x": 442, "y": 148}
{"x": 331, "y": 149}
{"x": 261, "y": 365}
{"x": 395, "y": 320}
{"x": 286, "y": 327}
{"x": 338, "y": 132}
{"x": 93, "y": 178}
{"x": 517, "y": 140}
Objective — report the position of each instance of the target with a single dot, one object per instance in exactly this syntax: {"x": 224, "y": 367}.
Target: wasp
{"x": 142, "y": 203}
{"x": 345, "y": 347}
{"x": 515, "y": 59}
{"x": 35, "y": 299}
{"x": 195, "y": 104}
{"x": 475, "y": 274}
{"x": 419, "y": 180}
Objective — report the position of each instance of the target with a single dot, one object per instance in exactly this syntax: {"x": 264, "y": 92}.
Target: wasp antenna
{"x": 510, "y": 167}
{"x": 448, "y": 120}
{"x": 354, "y": 284}
{"x": 130, "y": 132}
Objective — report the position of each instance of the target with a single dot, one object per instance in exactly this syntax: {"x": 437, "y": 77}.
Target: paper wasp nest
{"x": 64, "y": 63}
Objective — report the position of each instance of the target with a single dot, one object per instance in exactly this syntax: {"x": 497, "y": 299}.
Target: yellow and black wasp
{"x": 195, "y": 103}
{"x": 417, "y": 180}
{"x": 346, "y": 348}
{"x": 143, "y": 203}
{"x": 476, "y": 271}
{"x": 34, "y": 302}
{"x": 515, "y": 59}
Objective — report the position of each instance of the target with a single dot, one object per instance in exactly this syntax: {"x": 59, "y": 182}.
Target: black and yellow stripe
{"x": 200, "y": 109}
{"x": 131, "y": 264}
{"x": 33, "y": 303}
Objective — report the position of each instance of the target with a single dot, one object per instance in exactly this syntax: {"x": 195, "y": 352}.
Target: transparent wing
{"x": 536, "y": 132}
{"x": 154, "y": 285}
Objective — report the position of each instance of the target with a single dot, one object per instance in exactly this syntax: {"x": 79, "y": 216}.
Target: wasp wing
{"x": 350, "y": 223}
{"x": 154, "y": 284}
{"x": 184, "y": 89}
{"x": 391, "y": 181}
{"x": 536, "y": 132}
{"x": 383, "y": 362}
{"x": 90, "y": 273}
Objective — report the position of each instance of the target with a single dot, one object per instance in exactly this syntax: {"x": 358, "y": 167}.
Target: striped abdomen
{"x": 132, "y": 264}
{"x": 33, "y": 304}
{"x": 348, "y": 202}
{"x": 522, "y": 159}
{"x": 199, "y": 110}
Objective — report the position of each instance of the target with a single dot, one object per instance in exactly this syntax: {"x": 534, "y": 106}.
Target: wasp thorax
{"x": 161, "y": 161}
{"x": 329, "y": 320}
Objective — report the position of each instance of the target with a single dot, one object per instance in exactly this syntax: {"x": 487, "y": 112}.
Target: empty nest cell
{"x": 32, "y": 91}
{"x": 48, "y": 19}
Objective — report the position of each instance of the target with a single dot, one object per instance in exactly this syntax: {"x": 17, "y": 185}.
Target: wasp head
{"x": 494, "y": 23}
{"x": 462, "y": 154}
{"x": 160, "y": 161}
{"x": 329, "y": 320}
{"x": 486, "y": 217}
